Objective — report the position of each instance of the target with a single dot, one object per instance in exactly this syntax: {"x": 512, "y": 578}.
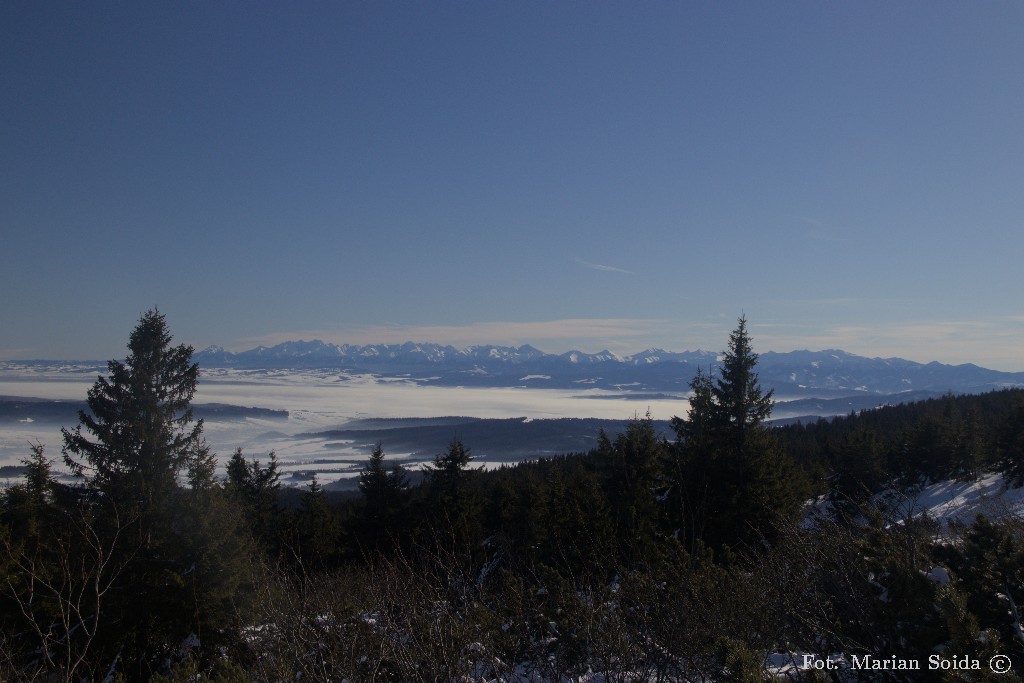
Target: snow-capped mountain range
{"x": 828, "y": 373}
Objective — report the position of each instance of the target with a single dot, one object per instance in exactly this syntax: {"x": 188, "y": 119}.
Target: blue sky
{"x": 572, "y": 175}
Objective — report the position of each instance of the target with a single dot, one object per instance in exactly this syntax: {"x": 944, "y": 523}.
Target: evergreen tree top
{"x": 737, "y": 392}
{"x": 731, "y": 404}
{"x": 373, "y": 480}
{"x": 455, "y": 459}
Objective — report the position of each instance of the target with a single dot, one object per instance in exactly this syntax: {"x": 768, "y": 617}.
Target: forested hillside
{"x": 681, "y": 559}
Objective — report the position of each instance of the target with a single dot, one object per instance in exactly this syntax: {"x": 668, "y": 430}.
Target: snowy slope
{"x": 958, "y": 502}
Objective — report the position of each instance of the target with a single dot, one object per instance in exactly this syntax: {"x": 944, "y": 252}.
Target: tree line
{"x": 686, "y": 560}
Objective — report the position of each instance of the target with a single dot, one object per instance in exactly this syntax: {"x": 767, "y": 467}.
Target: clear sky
{"x": 569, "y": 174}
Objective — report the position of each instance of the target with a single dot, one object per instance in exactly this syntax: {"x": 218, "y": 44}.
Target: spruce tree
{"x": 178, "y": 550}
{"x": 860, "y": 469}
{"x": 138, "y": 435}
{"x": 384, "y": 492}
{"x": 449, "y": 476}
{"x": 455, "y": 498}
{"x": 380, "y": 486}
{"x": 318, "y": 529}
{"x": 1011, "y": 445}
{"x": 39, "y": 481}
{"x": 632, "y": 477}
{"x": 736, "y": 482}
{"x": 257, "y": 489}
{"x": 692, "y": 461}
{"x": 450, "y": 467}
{"x": 373, "y": 480}
{"x": 740, "y": 403}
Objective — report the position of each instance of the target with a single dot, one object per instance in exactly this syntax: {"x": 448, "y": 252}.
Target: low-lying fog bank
{"x": 325, "y": 410}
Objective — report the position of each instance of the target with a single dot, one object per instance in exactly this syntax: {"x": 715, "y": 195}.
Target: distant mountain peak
{"x": 831, "y": 372}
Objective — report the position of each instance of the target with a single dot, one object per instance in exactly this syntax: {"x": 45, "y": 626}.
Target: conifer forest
{"x": 735, "y": 551}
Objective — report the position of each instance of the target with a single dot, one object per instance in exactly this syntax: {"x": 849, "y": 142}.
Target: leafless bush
{"x": 58, "y": 588}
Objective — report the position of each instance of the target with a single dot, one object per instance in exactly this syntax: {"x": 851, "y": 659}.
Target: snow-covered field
{"x": 317, "y": 401}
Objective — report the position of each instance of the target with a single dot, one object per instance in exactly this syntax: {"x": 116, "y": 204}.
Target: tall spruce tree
{"x": 139, "y": 436}
{"x": 740, "y": 403}
{"x": 735, "y": 480}
{"x": 179, "y": 549}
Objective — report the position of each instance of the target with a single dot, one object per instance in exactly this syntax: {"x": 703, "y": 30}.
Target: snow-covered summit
{"x": 823, "y": 374}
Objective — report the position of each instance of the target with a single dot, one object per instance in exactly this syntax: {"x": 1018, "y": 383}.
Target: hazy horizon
{"x": 617, "y": 349}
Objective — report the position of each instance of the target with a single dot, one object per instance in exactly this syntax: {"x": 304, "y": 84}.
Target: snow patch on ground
{"x": 959, "y": 502}
{"x": 949, "y": 503}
